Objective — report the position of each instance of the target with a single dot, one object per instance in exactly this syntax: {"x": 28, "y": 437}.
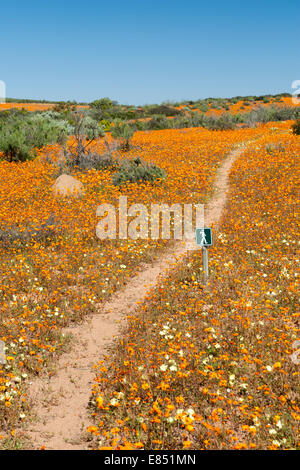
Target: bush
{"x": 100, "y": 108}
{"x": 137, "y": 171}
{"x": 164, "y": 109}
{"x": 64, "y": 108}
{"x": 158, "y": 122}
{"x": 110, "y": 110}
{"x": 140, "y": 125}
{"x": 20, "y": 134}
{"x": 203, "y": 107}
{"x": 86, "y": 131}
{"x": 296, "y": 127}
{"x": 123, "y": 133}
{"x": 89, "y": 161}
{"x": 223, "y": 122}
{"x": 105, "y": 124}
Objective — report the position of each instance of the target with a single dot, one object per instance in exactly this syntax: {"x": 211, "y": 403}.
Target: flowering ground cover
{"x": 241, "y": 106}
{"x": 55, "y": 270}
{"x": 212, "y": 367}
{"x": 30, "y": 106}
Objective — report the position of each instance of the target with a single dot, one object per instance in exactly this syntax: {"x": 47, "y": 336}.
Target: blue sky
{"x": 145, "y": 52}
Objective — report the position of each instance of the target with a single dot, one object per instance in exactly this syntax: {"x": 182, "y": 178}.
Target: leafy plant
{"x": 158, "y": 122}
{"x": 20, "y": 134}
{"x": 137, "y": 171}
{"x": 86, "y": 130}
{"x": 123, "y": 133}
{"x": 89, "y": 161}
{"x": 164, "y": 109}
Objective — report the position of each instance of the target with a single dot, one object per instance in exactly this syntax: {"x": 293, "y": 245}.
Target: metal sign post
{"x": 204, "y": 239}
{"x": 2, "y": 352}
{"x": 205, "y": 261}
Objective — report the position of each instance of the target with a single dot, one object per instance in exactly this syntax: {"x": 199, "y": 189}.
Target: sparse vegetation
{"x": 21, "y": 134}
{"x": 86, "y": 131}
{"x": 123, "y": 133}
{"x": 137, "y": 171}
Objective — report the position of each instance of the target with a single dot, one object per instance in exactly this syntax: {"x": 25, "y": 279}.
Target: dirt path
{"x": 60, "y": 403}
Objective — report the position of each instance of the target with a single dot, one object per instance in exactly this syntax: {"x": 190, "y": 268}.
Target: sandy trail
{"x": 60, "y": 402}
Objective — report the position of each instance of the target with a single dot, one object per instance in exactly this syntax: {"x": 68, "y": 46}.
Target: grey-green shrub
{"x": 21, "y": 134}
{"x": 89, "y": 161}
{"x": 123, "y": 133}
{"x": 86, "y": 131}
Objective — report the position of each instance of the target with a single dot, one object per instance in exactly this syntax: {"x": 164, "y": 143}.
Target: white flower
{"x": 114, "y": 402}
{"x": 244, "y": 386}
{"x": 163, "y": 367}
{"x": 276, "y": 443}
{"x": 170, "y": 419}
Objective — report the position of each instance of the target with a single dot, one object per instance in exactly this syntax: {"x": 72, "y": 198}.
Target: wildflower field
{"x": 197, "y": 368}
{"x": 54, "y": 270}
{"x": 238, "y": 106}
{"x": 212, "y": 367}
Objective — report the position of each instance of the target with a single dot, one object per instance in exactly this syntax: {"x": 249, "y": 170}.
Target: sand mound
{"x": 66, "y": 185}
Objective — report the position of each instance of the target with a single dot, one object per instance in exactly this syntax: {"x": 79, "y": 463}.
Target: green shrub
{"x": 296, "y": 127}
{"x": 90, "y": 161}
{"x": 203, "y": 107}
{"x": 105, "y": 124}
{"x": 140, "y": 125}
{"x": 137, "y": 171}
{"x": 123, "y": 133}
{"x": 13, "y": 113}
{"x": 158, "y": 122}
{"x": 110, "y": 110}
{"x": 21, "y": 134}
{"x": 165, "y": 110}
{"x": 64, "y": 108}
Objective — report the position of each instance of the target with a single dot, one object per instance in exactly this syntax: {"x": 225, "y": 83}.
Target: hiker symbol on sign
{"x": 204, "y": 236}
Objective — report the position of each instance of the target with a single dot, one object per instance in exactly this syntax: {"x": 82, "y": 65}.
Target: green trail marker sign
{"x": 204, "y": 237}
